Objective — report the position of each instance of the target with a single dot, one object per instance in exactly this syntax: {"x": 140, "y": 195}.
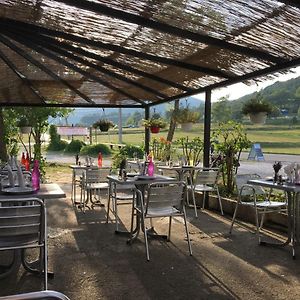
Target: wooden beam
{"x": 102, "y": 70}
{"x": 77, "y": 69}
{"x": 169, "y": 29}
{"x": 153, "y": 58}
{"x": 105, "y": 60}
{"x": 23, "y": 78}
{"x": 35, "y": 62}
{"x": 86, "y": 105}
{"x": 252, "y": 75}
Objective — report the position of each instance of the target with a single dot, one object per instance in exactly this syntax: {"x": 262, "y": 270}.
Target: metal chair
{"x": 92, "y": 182}
{"x": 251, "y": 192}
{"x": 163, "y": 199}
{"x": 206, "y": 180}
{"x": 42, "y": 295}
{"x": 23, "y": 225}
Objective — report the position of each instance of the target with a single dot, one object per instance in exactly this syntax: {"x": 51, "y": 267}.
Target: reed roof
{"x": 139, "y": 53}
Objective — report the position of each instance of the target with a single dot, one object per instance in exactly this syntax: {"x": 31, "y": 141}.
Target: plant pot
{"x": 104, "y": 127}
{"x": 154, "y": 129}
{"x": 186, "y": 127}
{"x": 258, "y": 118}
{"x": 25, "y": 129}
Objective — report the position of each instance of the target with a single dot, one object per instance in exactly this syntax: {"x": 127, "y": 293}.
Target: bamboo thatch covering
{"x": 133, "y": 53}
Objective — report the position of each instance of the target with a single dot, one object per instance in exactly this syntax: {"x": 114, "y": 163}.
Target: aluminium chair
{"x": 42, "y": 295}
{"x": 93, "y": 182}
{"x": 23, "y": 225}
{"x": 163, "y": 199}
{"x": 206, "y": 181}
{"x": 251, "y": 193}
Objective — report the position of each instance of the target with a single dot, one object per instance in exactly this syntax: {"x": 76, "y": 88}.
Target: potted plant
{"x": 24, "y": 125}
{"x": 257, "y": 108}
{"x": 187, "y": 118}
{"x": 103, "y": 124}
{"x": 155, "y": 124}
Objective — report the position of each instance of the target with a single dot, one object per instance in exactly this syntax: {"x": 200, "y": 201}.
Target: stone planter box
{"x": 245, "y": 212}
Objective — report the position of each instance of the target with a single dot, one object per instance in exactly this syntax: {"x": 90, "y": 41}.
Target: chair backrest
{"x": 21, "y": 219}
{"x": 242, "y": 179}
{"x": 96, "y": 176}
{"x": 42, "y": 295}
{"x": 208, "y": 176}
{"x": 166, "y": 194}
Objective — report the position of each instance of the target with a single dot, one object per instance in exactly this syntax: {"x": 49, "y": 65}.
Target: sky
{"x": 240, "y": 89}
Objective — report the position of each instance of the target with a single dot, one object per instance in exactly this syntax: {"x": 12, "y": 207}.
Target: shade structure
{"x": 139, "y": 53}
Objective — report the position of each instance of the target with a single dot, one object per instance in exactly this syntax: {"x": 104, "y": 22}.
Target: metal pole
{"x": 207, "y": 123}
{"x": 147, "y": 131}
{"x": 120, "y": 126}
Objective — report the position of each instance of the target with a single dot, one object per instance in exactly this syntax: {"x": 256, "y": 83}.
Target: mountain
{"x": 88, "y": 116}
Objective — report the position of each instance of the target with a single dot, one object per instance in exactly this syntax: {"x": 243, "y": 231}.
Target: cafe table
{"x": 140, "y": 182}
{"x": 46, "y": 192}
{"x": 293, "y": 193}
{"x": 181, "y": 170}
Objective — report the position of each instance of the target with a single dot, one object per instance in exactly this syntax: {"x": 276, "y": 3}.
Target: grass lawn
{"x": 273, "y": 139}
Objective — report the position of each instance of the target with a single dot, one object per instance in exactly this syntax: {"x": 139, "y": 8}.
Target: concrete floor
{"x": 91, "y": 262}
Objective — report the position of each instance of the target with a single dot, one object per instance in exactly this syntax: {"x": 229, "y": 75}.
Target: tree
{"x": 172, "y": 126}
{"x": 221, "y": 110}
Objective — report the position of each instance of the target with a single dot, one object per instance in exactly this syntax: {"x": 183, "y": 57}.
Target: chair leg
{"x": 170, "y": 225}
{"x": 145, "y": 236}
{"x": 45, "y": 264}
{"x": 108, "y": 204}
{"x": 257, "y": 225}
{"x": 132, "y": 219}
{"x": 220, "y": 202}
{"x": 204, "y": 198}
{"x": 262, "y": 219}
{"x": 234, "y": 215}
{"x": 194, "y": 202}
{"x": 187, "y": 232}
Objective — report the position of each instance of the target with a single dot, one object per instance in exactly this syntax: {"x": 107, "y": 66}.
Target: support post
{"x": 120, "y": 126}
{"x": 3, "y": 150}
{"x": 207, "y": 123}
{"x": 147, "y": 131}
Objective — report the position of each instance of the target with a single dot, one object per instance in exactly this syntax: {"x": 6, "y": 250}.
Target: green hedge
{"x": 75, "y": 146}
{"x": 93, "y": 150}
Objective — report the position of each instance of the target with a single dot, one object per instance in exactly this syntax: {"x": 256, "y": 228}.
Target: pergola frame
{"x": 72, "y": 52}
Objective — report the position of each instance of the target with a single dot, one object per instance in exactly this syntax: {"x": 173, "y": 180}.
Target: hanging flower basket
{"x": 104, "y": 127}
{"x": 258, "y": 118}
{"x": 154, "y": 129}
{"x": 25, "y": 129}
{"x": 186, "y": 127}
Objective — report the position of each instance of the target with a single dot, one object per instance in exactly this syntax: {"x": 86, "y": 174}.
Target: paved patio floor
{"x": 91, "y": 262}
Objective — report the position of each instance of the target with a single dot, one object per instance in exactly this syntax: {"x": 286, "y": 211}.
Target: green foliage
{"x": 256, "y": 105}
{"x": 129, "y": 151}
{"x": 56, "y": 144}
{"x": 103, "y": 123}
{"x": 132, "y": 151}
{"x": 185, "y": 115}
{"x": 221, "y": 110}
{"x": 94, "y": 150}
{"x": 229, "y": 140}
{"x": 155, "y": 122}
{"x": 162, "y": 149}
{"x": 74, "y": 147}
{"x": 191, "y": 149}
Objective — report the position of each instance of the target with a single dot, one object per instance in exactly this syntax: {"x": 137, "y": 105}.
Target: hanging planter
{"x": 258, "y": 118}
{"x": 24, "y": 125}
{"x": 155, "y": 124}
{"x": 103, "y": 125}
{"x": 257, "y": 108}
{"x": 186, "y": 127}
{"x": 154, "y": 129}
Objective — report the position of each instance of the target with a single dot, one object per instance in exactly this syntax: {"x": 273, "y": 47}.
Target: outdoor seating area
{"x": 168, "y": 212}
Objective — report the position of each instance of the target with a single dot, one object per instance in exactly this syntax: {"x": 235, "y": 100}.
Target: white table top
{"x": 179, "y": 168}
{"x": 46, "y": 191}
{"x": 83, "y": 167}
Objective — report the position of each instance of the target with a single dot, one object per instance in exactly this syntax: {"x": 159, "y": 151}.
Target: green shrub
{"x": 75, "y": 146}
{"x": 93, "y": 150}
{"x": 56, "y": 144}
{"x": 132, "y": 151}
